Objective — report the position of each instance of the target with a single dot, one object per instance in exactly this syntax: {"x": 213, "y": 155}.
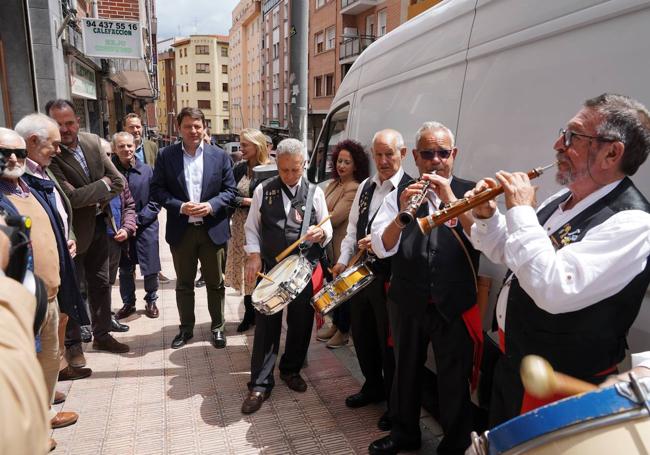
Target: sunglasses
{"x": 443, "y": 154}
{"x": 20, "y": 153}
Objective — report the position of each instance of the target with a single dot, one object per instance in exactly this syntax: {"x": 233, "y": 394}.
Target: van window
{"x": 320, "y": 166}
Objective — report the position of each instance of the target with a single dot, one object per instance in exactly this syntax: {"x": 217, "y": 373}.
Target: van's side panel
{"x": 528, "y": 75}
{"x": 397, "y": 90}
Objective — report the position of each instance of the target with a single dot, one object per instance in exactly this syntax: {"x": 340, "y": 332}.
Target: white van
{"x": 505, "y": 76}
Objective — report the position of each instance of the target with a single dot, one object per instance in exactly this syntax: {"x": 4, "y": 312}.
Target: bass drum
{"x": 607, "y": 421}
{"x": 287, "y": 280}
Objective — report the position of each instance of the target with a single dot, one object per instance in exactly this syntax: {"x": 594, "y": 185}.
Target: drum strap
{"x": 308, "y": 206}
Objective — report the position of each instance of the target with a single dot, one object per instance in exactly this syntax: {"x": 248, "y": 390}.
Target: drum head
{"x": 279, "y": 274}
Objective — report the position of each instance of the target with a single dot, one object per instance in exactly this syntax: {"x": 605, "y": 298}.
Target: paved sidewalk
{"x": 155, "y": 400}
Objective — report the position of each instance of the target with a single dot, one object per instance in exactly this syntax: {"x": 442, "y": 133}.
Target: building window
{"x": 226, "y": 124}
{"x": 208, "y": 123}
{"x": 224, "y": 69}
{"x": 202, "y": 67}
{"x": 182, "y": 88}
{"x": 329, "y": 85}
{"x": 202, "y": 49}
{"x": 318, "y": 86}
{"x": 319, "y": 42}
{"x": 181, "y": 69}
{"x": 320, "y": 3}
{"x": 186, "y": 70}
{"x": 382, "y": 18}
{"x": 330, "y": 38}
{"x": 224, "y": 87}
{"x": 203, "y": 86}
{"x": 276, "y": 51}
{"x": 204, "y": 104}
{"x": 226, "y": 105}
{"x": 185, "y": 52}
{"x": 224, "y": 52}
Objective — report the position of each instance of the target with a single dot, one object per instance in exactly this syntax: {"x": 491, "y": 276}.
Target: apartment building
{"x": 339, "y": 31}
{"x": 245, "y": 39}
{"x": 275, "y": 64}
{"x": 166, "y": 103}
{"x": 202, "y": 67}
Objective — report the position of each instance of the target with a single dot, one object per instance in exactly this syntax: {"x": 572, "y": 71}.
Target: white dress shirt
{"x": 382, "y": 189}
{"x": 387, "y": 213}
{"x": 193, "y": 171}
{"x": 576, "y": 276}
{"x": 253, "y": 221}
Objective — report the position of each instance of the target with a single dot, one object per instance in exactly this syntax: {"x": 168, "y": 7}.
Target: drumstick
{"x": 542, "y": 382}
{"x": 266, "y": 277}
{"x": 355, "y": 258}
{"x": 291, "y": 247}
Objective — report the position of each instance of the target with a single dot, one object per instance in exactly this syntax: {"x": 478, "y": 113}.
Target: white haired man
{"x": 275, "y": 220}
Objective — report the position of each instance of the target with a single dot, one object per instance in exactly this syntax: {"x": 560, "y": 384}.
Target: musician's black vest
{"x": 276, "y": 230}
{"x": 434, "y": 267}
{"x": 585, "y": 342}
{"x": 364, "y": 223}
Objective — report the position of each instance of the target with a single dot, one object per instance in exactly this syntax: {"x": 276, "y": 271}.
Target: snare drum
{"x": 290, "y": 277}
{"x": 342, "y": 288}
{"x": 606, "y": 421}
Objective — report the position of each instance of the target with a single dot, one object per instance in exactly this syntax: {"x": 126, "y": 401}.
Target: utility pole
{"x": 298, "y": 82}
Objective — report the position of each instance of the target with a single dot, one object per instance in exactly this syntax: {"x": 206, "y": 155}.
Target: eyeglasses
{"x": 443, "y": 154}
{"x": 567, "y": 136}
{"x": 20, "y": 153}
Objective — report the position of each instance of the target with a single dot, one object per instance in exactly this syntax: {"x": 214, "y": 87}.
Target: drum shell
{"x": 290, "y": 277}
{"x": 599, "y": 422}
{"x": 342, "y": 288}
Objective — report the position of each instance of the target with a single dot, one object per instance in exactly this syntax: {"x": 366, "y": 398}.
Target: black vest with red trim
{"x": 364, "y": 223}
{"x": 585, "y": 342}
{"x": 434, "y": 268}
{"x": 277, "y": 231}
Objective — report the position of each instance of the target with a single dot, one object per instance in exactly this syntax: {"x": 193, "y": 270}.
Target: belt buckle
{"x": 197, "y": 223}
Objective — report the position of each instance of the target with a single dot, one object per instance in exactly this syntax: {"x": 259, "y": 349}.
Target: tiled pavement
{"x": 155, "y": 400}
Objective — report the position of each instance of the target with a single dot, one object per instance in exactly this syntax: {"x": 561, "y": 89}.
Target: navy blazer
{"x": 169, "y": 189}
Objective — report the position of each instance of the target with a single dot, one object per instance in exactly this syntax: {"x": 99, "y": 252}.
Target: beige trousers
{"x": 49, "y": 355}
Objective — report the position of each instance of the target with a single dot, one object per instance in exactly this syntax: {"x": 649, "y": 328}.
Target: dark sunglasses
{"x": 20, "y": 153}
{"x": 443, "y": 154}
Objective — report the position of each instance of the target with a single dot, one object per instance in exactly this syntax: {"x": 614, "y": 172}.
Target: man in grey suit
{"x": 90, "y": 181}
{"x": 145, "y": 150}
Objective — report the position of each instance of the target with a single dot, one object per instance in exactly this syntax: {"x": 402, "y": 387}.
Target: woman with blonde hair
{"x": 254, "y": 151}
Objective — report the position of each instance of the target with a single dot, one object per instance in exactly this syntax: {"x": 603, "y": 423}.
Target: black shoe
{"x": 249, "y": 315}
{"x": 384, "y": 423}
{"x": 361, "y": 399}
{"x": 116, "y": 326}
{"x": 294, "y": 381}
{"x": 386, "y": 446}
{"x": 219, "y": 339}
{"x": 200, "y": 282}
{"x": 126, "y": 311}
{"x": 86, "y": 334}
{"x": 181, "y": 339}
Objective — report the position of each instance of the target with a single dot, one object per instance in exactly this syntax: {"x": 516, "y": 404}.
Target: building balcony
{"x": 133, "y": 75}
{"x": 354, "y": 7}
{"x": 350, "y": 48}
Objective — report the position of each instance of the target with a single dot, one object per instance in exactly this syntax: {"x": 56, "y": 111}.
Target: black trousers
{"x": 93, "y": 268}
{"x": 196, "y": 245}
{"x": 453, "y": 351}
{"x": 266, "y": 344}
{"x": 369, "y": 325}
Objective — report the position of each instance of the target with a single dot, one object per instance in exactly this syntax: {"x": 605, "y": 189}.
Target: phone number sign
{"x": 112, "y": 38}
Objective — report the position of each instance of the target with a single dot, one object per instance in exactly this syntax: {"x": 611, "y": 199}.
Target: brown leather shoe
{"x": 59, "y": 397}
{"x": 110, "y": 344}
{"x": 51, "y": 444}
{"x": 151, "y": 310}
{"x": 294, "y": 381}
{"x": 253, "y": 402}
{"x": 74, "y": 355}
{"x": 64, "y": 419}
{"x": 125, "y": 311}
{"x": 70, "y": 373}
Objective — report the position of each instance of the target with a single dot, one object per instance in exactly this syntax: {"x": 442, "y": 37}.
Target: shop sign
{"x": 110, "y": 38}
{"x": 82, "y": 81}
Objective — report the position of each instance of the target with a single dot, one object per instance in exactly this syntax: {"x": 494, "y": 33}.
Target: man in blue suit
{"x": 193, "y": 181}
